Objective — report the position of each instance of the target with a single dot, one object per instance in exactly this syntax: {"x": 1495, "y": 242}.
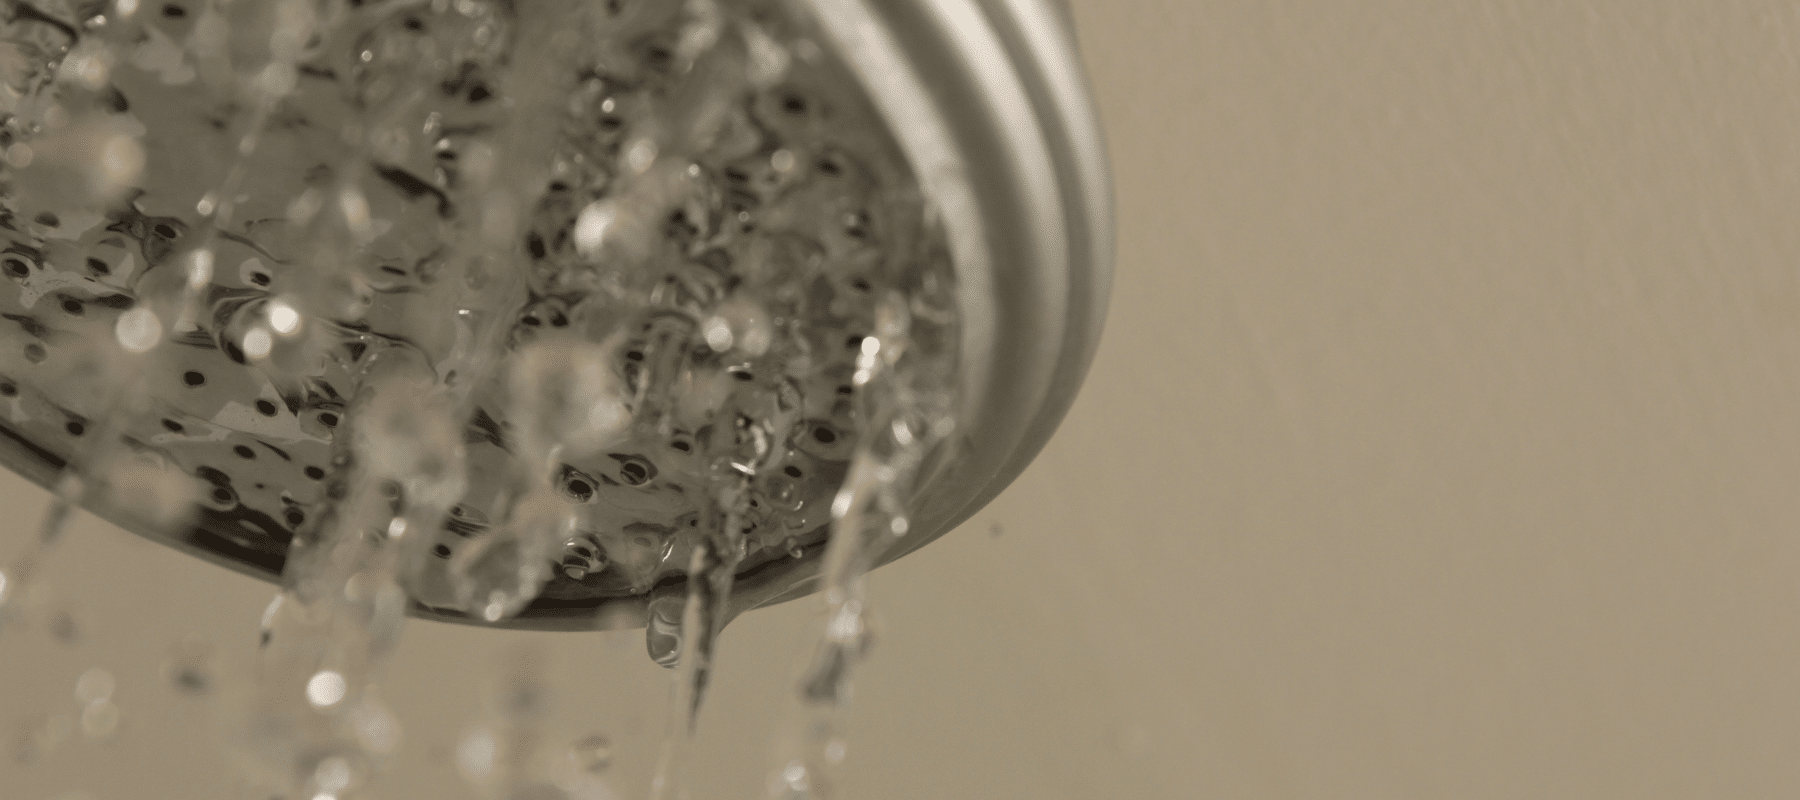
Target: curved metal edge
{"x": 939, "y": 77}
{"x": 1040, "y": 39}
{"x": 1039, "y": 42}
{"x": 616, "y": 613}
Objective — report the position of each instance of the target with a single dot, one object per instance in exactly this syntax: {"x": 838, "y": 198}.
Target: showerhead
{"x": 565, "y": 295}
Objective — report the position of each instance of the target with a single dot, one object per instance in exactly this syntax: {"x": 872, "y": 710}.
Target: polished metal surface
{"x": 984, "y": 101}
{"x": 989, "y": 101}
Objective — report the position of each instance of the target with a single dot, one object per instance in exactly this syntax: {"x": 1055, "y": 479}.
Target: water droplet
{"x": 376, "y": 727}
{"x": 94, "y": 685}
{"x": 718, "y": 334}
{"x": 257, "y": 343}
{"x": 475, "y": 754}
{"x": 793, "y": 777}
{"x": 138, "y": 330}
{"x": 592, "y": 226}
{"x": 200, "y": 269}
{"x": 325, "y": 689}
{"x": 640, "y": 155}
{"x": 283, "y": 318}
{"x": 355, "y": 209}
{"x": 100, "y": 719}
{"x": 662, "y": 632}
{"x": 332, "y": 775}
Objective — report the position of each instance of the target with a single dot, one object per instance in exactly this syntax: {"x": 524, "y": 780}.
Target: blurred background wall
{"x": 1444, "y": 442}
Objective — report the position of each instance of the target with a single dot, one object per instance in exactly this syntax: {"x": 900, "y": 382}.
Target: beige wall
{"x": 1444, "y": 443}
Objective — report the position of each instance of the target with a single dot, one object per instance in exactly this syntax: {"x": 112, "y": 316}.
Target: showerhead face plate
{"x": 559, "y": 291}
{"x": 209, "y": 251}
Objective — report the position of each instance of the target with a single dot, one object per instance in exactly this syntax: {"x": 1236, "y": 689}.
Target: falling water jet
{"x": 685, "y": 686}
{"x": 405, "y": 455}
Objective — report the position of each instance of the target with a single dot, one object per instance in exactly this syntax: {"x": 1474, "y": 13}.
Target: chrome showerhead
{"x": 559, "y": 302}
